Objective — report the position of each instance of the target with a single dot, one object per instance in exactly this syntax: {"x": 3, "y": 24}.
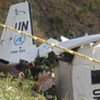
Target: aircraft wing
{"x": 73, "y": 43}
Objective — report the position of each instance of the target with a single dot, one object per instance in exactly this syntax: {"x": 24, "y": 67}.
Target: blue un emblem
{"x": 19, "y": 39}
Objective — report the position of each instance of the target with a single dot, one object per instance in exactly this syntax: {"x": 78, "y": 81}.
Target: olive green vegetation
{"x": 71, "y": 18}
{"x": 17, "y": 89}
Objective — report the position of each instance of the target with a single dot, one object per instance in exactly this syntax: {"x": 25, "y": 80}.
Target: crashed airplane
{"x": 76, "y": 78}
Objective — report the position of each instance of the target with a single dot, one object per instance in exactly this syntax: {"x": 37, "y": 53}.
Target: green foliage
{"x": 17, "y": 89}
{"x": 93, "y": 6}
{"x": 56, "y": 23}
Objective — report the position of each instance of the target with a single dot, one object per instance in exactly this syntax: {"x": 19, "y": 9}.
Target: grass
{"x": 17, "y": 89}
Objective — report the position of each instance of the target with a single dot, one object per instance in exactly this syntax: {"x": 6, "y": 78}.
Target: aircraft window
{"x": 95, "y": 77}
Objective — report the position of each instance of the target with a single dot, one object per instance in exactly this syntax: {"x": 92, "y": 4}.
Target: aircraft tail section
{"x": 13, "y": 46}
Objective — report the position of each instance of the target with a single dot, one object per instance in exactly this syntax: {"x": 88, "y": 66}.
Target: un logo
{"x": 19, "y": 39}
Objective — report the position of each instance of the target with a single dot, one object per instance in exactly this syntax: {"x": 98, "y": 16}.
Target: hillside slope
{"x": 71, "y": 18}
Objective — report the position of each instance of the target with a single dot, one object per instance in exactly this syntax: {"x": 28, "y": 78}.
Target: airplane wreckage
{"x": 75, "y": 77}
